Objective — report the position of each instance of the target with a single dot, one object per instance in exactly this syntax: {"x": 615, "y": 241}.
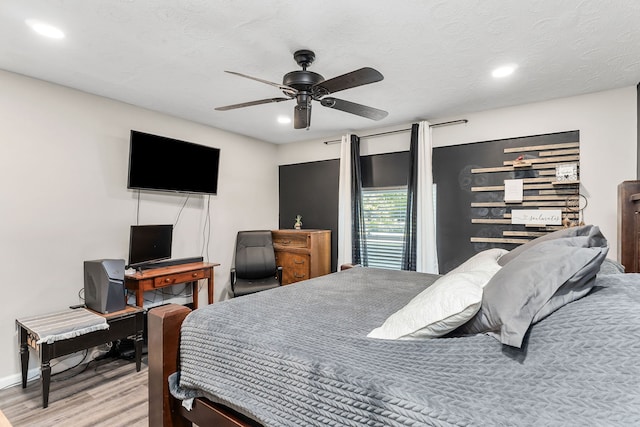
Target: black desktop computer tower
{"x": 104, "y": 285}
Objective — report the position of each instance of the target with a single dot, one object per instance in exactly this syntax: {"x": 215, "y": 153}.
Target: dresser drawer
{"x": 191, "y": 276}
{"x": 291, "y": 240}
{"x": 295, "y": 267}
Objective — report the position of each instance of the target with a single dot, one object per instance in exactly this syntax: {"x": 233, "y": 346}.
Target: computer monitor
{"x": 149, "y": 243}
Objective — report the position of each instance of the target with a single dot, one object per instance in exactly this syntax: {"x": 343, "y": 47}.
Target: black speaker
{"x": 104, "y": 285}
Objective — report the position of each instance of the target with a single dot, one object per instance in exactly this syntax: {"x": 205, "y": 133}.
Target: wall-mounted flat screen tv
{"x": 148, "y": 243}
{"x": 167, "y": 164}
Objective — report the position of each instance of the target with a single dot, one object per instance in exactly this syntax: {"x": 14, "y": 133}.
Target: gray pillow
{"x": 529, "y": 288}
{"x": 610, "y": 266}
{"x": 584, "y": 230}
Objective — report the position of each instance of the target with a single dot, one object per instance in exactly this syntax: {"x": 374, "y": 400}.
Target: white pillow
{"x": 448, "y": 303}
{"x": 479, "y": 260}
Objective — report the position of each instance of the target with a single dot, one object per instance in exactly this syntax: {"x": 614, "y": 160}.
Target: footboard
{"x": 163, "y": 348}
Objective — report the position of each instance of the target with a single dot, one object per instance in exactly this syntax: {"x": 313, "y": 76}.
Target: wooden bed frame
{"x": 163, "y": 346}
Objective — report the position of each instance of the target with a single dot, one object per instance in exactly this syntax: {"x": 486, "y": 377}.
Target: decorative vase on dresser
{"x": 302, "y": 254}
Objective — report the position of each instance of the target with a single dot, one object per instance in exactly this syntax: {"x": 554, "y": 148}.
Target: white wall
{"x": 608, "y": 142}
{"x": 63, "y": 175}
{"x": 63, "y": 167}
{"x": 316, "y": 150}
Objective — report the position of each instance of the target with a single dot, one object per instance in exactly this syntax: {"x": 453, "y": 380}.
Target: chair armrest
{"x": 279, "y": 274}
{"x": 233, "y": 276}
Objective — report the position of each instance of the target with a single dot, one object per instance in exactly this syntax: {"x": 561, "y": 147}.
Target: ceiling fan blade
{"x": 353, "y": 108}
{"x": 302, "y": 117}
{"x": 360, "y": 77}
{"x": 251, "y": 103}
{"x": 287, "y": 89}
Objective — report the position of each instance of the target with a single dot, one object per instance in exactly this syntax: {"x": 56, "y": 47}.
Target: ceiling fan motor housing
{"x": 301, "y": 79}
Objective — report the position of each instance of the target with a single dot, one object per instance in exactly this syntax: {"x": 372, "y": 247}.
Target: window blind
{"x": 384, "y": 222}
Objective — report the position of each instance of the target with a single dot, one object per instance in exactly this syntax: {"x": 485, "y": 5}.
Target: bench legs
{"x": 45, "y": 367}
{"x": 138, "y": 347}
{"x": 24, "y": 356}
{"x": 46, "y": 381}
{"x": 45, "y": 371}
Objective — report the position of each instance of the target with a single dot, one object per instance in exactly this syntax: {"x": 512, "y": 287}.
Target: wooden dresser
{"x": 629, "y": 226}
{"x": 302, "y": 254}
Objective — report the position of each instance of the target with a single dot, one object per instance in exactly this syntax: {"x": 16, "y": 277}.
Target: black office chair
{"x": 255, "y": 268}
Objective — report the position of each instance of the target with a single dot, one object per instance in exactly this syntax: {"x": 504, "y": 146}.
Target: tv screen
{"x": 167, "y": 164}
{"x": 149, "y": 243}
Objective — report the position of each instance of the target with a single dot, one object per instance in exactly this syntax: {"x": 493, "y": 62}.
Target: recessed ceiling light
{"x": 504, "y": 71}
{"x": 284, "y": 120}
{"x": 45, "y": 29}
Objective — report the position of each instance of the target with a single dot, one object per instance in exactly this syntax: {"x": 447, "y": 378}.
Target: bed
{"x": 315, "y": 353}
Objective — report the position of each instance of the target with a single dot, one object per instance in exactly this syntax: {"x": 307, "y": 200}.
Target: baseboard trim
{"x": 16, "y": 379}
{"x": 62, "y": 363}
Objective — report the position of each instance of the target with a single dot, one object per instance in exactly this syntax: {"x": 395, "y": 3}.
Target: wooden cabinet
{"x": 629, "y": 226}
{"x": 302, "y": 254}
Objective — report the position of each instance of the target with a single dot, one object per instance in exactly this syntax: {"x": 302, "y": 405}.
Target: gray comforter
{"x": 299, "y": 356}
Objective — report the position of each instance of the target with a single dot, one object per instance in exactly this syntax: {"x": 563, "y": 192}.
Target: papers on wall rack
{"x": 567, "y": 172}
{"x": 536, "y": 216}
{"x": 513, "y": 189}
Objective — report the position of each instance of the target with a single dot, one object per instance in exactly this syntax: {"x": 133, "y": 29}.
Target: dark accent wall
{"x": 385, "y": 170}
{"x": 311, "y": 190}
{"x": 453, "y": 178}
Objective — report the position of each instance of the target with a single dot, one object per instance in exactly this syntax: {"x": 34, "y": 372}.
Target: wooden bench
{"x": 74, "y": 330}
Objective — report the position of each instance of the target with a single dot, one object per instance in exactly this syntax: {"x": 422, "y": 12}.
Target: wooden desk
{"x": 122, "y": 324}
{"x": 157, "y": 278}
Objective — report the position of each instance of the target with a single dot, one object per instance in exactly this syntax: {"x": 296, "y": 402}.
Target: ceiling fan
{"x": 306, "y": 86}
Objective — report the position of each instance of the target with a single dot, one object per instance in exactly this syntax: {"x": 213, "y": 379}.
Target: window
{"x": 384, "y": 212}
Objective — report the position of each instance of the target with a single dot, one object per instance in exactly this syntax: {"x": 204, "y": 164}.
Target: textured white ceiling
{"x": 436, "y": 55}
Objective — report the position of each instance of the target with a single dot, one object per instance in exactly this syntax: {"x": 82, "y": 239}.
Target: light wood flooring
{"x": 108, "y": 393}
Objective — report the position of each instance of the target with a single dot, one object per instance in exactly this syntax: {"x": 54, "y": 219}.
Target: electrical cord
{"x": 138, "y": 209}
{"x": 53, "y": 376}
{"x": 206, "y": 231}
{"x": 175, "y": 224}
{"x": 171, "y": 291}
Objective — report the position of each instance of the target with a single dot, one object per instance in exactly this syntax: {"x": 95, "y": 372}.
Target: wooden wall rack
{"x": 536, "y": 165}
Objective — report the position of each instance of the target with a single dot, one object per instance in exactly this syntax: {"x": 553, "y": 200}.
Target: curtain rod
{"x": 452, "y": 122}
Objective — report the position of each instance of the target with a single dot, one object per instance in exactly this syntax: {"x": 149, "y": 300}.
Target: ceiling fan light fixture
{"x": 45, "y": 29}
{"x": 504, "y": 71}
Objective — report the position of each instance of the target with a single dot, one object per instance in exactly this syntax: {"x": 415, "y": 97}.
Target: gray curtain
{"x": 359, "y": 238}
{"x": 411, "y": 222}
